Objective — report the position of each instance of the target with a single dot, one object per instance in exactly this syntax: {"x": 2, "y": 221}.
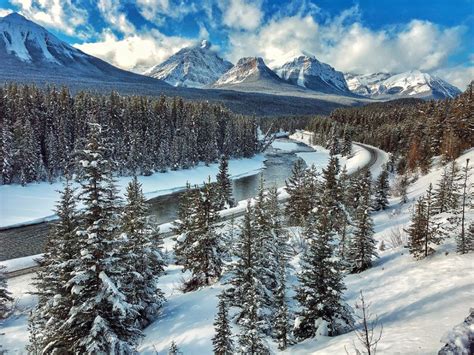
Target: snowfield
{"x": 418, "y": 302}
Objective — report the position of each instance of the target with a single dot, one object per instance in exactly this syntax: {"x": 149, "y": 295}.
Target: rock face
{"x": 308, "y": 72}
{"x": 195, "y": 66}
{"x": 28, "y": 52}
{"x": 409, "y": 84}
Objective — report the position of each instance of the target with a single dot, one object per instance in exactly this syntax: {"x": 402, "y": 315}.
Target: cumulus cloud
{"x": 241, "y": 14}
{"x": 459, "y": 76}
{"x": 158, "y": 10}
{"x": 135, "y": 52}
{"x": 348, "y": 45}
{"x": 63, "y": 15}
{"x": 5, "y": 12}
{"x": 110, "y": 10}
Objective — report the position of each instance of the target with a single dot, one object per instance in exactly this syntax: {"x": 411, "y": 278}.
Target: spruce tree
{"x": 281, "y": 320}
{"x": 54, "y": 294}
{"x": 5, "y": 295}
{"x": 464, "y": 241}
{"x": 143, "y": 261}
{"x": 403, "y": 189}
{"x": 382, "y": 188}
{"x": 319, "y": 293}
{"x": 445, "y": 196}
{"x": 246, "y": 269}
{"x": 251, "y": 338}
{"x": 346, "y": 147}
{"x": 424, "y": 230}
{"x": 100, "y": 320}
{"x": 173, "y": 350}
{"x": 224, "y": 184}
{"x": 362, "y": 244}
{"x": 184, "y": 223}
{"x": 222, "y": 340}
{"x": 202, "y": 250}
{"x": 297, "y": 204}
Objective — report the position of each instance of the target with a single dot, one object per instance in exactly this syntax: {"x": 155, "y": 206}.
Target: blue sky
{"x": 357, "y": 36}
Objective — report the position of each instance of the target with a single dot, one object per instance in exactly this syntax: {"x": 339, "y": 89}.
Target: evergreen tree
{"x": 184, "y": 223}
{"x": 297, "y": 204}
{"x": 222, "y": 340}
{"x": 382, "y": 188}
{"x": 100, "y": 320}
{"x": 201, "y": 249}
{"x": 224, "y": 184}
{"x": 5, "y": 295}
{"x": 403, "y": 189}
{"x": 142, "y": 261}
{"x": 445, "y": 195}
{"x": 251, "y": 338}
{"x": 321, "y": 283}
{"x": 54, "y": 294}
{"x": 346, "y": 148}
{"x": 246, "y": 270}
{"x": 174, "y": 350}
{"x": 281, "y": 320}
{"x": 7, "y": 153}
{"x": 362, "y": 245}
{"x": 423, "y": 230}
{"x": 464, "y": 240}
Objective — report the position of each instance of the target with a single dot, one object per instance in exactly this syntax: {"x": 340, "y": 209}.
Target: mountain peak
{"x": 306, "y": 71}
{"x": 194, "y": 66}
{"x": 15, "y": 16}
{"x": 205, "y": 44}
{"x": 247, "y": 69}
{"x": 413, "y": 83}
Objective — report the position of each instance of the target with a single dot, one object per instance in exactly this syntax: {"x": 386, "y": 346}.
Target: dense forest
{"x": 413, "y": 130}
{"x": 43, "y": 128}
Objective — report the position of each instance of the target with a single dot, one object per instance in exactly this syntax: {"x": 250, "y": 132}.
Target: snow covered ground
{"x": 417, "y": 302}
{"x": 36, "y": 202}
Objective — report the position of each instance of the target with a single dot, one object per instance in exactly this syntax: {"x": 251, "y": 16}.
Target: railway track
{"x": 30, "y": 240}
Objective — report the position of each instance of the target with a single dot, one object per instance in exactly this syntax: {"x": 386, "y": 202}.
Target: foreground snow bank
{"x": 36, "y": 202}
{"x": 21, "y": 263}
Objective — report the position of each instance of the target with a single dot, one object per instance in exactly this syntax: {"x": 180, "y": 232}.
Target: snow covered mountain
{"x": 248, "y": 70}
{"x": 195, "y": 66}
{"x": 409, "y": 84}
{"x": 30, "y": 52}
{"x": 308, "y": 72}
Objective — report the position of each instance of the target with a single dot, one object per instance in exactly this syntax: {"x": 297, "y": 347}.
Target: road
{"x": 31, "y": 239}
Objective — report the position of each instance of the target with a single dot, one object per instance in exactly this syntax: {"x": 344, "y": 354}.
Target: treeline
{"x": 414, "y": 131}
{"x": 42, "y": 128}
{"x": 285, "y": 123}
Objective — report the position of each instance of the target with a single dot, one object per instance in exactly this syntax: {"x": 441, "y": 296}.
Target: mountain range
{"x": 302, "y": 85}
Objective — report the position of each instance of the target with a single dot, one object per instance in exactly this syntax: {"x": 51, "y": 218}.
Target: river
{"x": 277, "y": 169}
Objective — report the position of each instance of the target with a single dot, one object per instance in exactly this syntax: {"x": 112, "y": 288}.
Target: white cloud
{"x": 459, "y": 76}
{"x": 135, "y": 52}
{"x": 63, "y": 15}
{"x": 5, "y": 12}
{"x": 348, "y": 45}
{"x": 157, "y": 10}
{"x": 110, "y": 10}
{"x": 241, "y": 14}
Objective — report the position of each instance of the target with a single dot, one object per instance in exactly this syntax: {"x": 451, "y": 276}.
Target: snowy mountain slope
{"x": 195, "y": 66}
{"x": 41, "y": 55}
{"x": 306, "y": 71}
{"x": 409, "y": 84}
{"x": 247, "y": 70}
{"x": 251, "y": 74}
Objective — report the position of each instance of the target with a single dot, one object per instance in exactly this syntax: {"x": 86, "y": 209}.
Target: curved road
{"x": 30, "y": 239}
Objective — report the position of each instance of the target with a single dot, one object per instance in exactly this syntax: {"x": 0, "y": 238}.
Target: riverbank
{"x": 35, "y": 203}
